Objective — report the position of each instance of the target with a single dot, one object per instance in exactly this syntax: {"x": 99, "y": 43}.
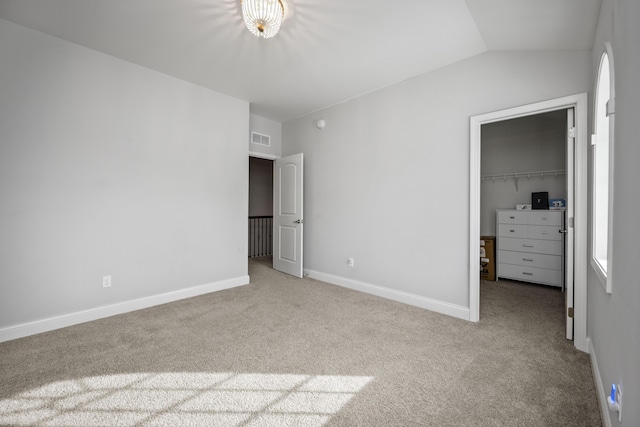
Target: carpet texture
{"x": 299, "y": 352}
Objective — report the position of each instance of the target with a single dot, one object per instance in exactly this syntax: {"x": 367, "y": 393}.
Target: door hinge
{"x": 572, "y": 132}
{"x": 570, "y": 222}
{"x": 570, "y": 312}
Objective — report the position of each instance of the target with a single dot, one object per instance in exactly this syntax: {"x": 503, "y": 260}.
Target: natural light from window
{"x": 602, "y": 172}
{"x": 184, "y": 399}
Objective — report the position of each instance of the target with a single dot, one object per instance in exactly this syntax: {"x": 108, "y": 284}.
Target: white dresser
{"x": 530, "y": 246}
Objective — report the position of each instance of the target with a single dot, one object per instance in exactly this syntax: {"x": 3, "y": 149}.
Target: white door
{"x": 569, "y": 219}
{"x": 287, "y": 215}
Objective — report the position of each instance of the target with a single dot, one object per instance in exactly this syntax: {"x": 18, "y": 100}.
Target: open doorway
{"x": 576, "y": 205}
{"x": 523, "y": 257}
{"x": 276, "y": 212}
{"x": 260, "y": 221}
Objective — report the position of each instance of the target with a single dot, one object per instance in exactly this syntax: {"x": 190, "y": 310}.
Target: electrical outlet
{"x": 106, "y": 281}
{"x": 615, "y": 400}
{"x": 350, "y": 262}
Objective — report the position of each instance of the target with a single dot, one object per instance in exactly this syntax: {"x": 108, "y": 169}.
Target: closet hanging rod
{"x": 540, "y": 174}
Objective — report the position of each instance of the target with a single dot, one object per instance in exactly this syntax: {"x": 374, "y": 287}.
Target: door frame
{"x": 580, "y": 105}
{"x": 265, "y": 156}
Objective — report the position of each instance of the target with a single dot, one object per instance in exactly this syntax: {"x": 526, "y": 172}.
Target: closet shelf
{"x": 518, "y": 175}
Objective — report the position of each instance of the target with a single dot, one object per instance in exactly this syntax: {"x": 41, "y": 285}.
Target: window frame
{"x": 603, "y": 272}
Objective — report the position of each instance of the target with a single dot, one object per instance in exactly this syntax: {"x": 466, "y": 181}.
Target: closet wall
{"x": 527, "y": 144}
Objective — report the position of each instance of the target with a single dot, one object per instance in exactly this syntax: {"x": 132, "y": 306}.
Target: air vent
{"x": 260, "y": 139}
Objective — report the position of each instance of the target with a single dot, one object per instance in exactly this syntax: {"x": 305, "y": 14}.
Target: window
{"x": 602, "y": 141}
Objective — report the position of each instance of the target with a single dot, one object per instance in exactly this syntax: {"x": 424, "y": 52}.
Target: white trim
{"x": 599, "y": 272}
{"x": 579, "y": 103}
{"x": 442, "y": 307}
{"x": 580, "y": 223}
{"x": 62, "y": 321}
{"x": 263, "y": 155}
{"x": 600, "y": 390}
{"x": 604, "y": 274}
{"x": 474, "y": 218}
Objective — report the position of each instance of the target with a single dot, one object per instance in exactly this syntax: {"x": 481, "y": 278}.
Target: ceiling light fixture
{"x": 263, "y": 17}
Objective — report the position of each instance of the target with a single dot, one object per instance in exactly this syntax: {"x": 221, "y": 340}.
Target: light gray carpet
{"x": 284, "y": 351}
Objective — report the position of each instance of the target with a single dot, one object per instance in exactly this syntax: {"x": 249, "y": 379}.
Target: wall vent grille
{"x": 260, "y": 139}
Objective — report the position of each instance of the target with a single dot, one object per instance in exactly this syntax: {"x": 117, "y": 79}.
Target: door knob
{"x": 562, "y": 231}
{"x": 298, "y": 222}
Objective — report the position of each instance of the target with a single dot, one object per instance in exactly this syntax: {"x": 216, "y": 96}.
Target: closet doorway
{"x": 575, "y": 172}
{"x": 520, "y": 158}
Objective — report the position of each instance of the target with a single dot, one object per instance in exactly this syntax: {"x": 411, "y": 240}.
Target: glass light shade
{"x": 263, "y": 17}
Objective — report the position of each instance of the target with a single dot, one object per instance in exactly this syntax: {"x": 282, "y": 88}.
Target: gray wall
{"x": 108, "y": 168}
{"x": 526, "y": 144}
{"x": 260, "y": 187}
{"x": 613, "y": 322}
{"x": 387, "y": 180}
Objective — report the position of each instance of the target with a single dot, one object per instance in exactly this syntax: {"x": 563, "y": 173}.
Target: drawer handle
{"x": 527, "y": 259}
{"x": 512, "y": 231}
{"x": 512, "y": 217}
{"x": 527, "y": 274}
{"x": 544, "y": 233}
{"x": 527, "y": 246}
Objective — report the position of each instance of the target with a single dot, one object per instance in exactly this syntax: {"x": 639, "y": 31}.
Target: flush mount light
{"x": 263, "y": 17}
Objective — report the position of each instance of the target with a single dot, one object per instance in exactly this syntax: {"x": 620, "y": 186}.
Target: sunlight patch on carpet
{"x": 184, "y": 398}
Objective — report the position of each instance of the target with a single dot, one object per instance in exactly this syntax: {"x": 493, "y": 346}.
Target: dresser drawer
{"x": 550, "y": 247}
{"x": 530, "y": 274}
{"x": 545, "y": 218}
{"x": 549, "y": 262}
{"x": 512, "y": 217}
{"x": 546, "y": 232}
{"x": 513, "y": 230}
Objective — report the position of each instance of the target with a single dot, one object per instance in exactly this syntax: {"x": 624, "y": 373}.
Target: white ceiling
{"x": 327, "y": 51}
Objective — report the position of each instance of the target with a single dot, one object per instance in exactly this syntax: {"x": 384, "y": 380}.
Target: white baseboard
{"x": 600, "y": 390}
{"x": 404, "y": 297}
{"x": 45, "y": 325}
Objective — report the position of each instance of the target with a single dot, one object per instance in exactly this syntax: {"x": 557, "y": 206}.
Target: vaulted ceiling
{"x": 327, "y": 51}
